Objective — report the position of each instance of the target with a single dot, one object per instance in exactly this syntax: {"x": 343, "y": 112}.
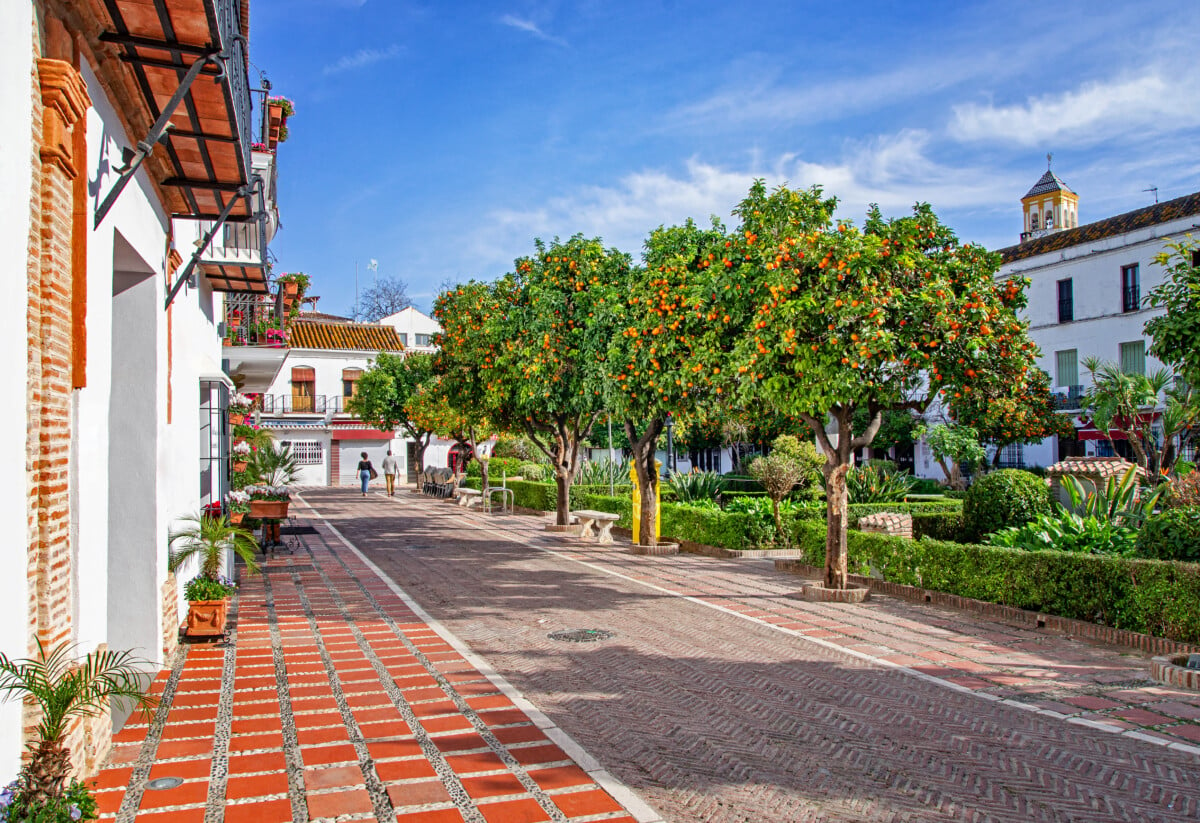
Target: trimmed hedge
{"x": 1009, "y": 497}
{"x": 938, "y": 526}
{"x": 1173, "y": 534}
{"x": 1151, "y": 596}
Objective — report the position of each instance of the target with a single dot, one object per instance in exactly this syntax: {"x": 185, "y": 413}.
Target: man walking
{"x": 390, "y": 467}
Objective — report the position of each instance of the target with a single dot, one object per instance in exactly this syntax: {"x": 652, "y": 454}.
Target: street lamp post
{"x": 670, "y": 467}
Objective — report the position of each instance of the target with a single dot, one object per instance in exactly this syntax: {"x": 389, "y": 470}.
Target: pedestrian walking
{"x": 390, "y": 468}
{"x": 366, "y": 472}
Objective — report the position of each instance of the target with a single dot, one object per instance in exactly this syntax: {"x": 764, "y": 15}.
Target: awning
{"x": 362, "y": 434}
{"x": 1090, "y": 432}
{"x": 303, "y": 374}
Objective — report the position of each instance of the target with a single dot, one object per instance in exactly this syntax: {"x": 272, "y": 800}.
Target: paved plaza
{"x": 399, "y": 666}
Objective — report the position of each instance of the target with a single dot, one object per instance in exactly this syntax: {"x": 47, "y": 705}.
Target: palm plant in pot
{"x": 64, "y": 689}
{"x": 207, "y": 539}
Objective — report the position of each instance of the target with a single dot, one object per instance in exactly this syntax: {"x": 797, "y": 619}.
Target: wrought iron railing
{"x": 1066, "y": 309}
{"x": 1131, "y": 298}
{"x": 233, "y": 46}
{"x": 301, "y": 404}
{"x": 253, "y": 320}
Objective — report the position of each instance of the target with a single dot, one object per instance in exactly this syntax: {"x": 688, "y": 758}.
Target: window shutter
{"x": 303, "y": 374}
{"x": 1133, "y": 357}
{"x": 1067, "y": 367}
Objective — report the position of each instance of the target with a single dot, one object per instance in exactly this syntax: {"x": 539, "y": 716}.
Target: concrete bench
{"x": 602, "y": 520}
{"x": 468, "y": 496}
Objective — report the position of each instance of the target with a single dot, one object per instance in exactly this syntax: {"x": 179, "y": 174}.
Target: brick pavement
{"x": 723, "y": 698}
{"x": 335, "y": 700}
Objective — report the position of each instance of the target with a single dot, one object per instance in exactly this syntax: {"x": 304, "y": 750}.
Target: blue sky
{"x": 441, "y": 138}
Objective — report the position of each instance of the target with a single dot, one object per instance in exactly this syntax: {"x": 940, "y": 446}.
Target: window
{"x": 304, "y": 384}
{"x": 403, "y": 338}
{"x": 1133, "y": 357}
{"x": 421, "y": 339}
{"x": 1195, "y": 257}
{"x": 1012, "y": 456}
{"x": 1050, "y": 219}
{"x": 350, "y": 379}
{"x": 1033, "y": 222}
{"x": 1066, "y": 364}
{"x": 1066, "y": 301}
{"x": 1131, "y": 295}
{"x": 306, "y": 452}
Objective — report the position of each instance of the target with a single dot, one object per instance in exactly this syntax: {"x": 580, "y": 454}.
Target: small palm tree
{"x": 208, "y": 538}
{"x": 272, "y": 466}
{"x": 63, "y": 689}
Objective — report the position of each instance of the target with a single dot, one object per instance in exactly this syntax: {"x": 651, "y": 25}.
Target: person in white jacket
{"x": 390, "y": 467}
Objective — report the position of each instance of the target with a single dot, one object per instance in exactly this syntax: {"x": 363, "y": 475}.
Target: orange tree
{"x": 439, "y": 408}
{"x": 1020, "y": 413}
{"x": 384, "y": 392}
{"x": 889, "y": 316}
{"x": 666, "y": 348}
{"x": 545, "y": 341}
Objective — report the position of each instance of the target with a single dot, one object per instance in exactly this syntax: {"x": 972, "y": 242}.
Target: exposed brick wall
{"x": 899, "y": 525}
{"x": 170, "y": 613}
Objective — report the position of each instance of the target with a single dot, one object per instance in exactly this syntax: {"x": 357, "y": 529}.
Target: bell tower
{"x": 1049, "y": 206}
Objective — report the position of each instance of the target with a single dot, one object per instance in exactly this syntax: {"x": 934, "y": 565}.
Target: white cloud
{"x": 1151, "y": 103}
{"x": 361, "y": 58}
{"x": 893, "y": 171}
{"x": 531, "y": 27}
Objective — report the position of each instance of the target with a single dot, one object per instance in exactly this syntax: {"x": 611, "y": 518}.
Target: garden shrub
{"x": 1152, "y": 596}
{"x": 938, "y": 525}
{"x": 1173, "y": 534}
{"x": 497, "y": 467}
{"x": 622, "y": 506}
{"x": 925, "y": 485}
{"x": 1009, "y": 497}
{"x": 1184, "y": 491}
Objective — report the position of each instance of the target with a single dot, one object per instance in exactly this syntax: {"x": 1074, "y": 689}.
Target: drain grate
{"x": 580, "y": 635}
{"x": 159, "y": 784}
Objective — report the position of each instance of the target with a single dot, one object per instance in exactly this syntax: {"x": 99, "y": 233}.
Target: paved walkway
{"x": 719, "y": 697}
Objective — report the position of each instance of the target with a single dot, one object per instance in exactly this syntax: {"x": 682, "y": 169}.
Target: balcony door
{"x": 304, "y": 389}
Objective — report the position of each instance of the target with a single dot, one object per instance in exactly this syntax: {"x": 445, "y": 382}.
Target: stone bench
{"x": 602, "y": 520}
{"x": 468, "y": 496}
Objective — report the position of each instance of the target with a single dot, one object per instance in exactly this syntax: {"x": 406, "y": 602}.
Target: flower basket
{"x": 236, "y": 419}
{"x": 206, "y": 618}
{"x": 269, "y": 509}
{"x": 240, "y": 465}
{"x": 290, "y": 288}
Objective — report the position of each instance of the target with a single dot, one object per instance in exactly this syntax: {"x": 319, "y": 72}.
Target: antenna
{"x": 1155, "y": 190}
{"x": 1049, "y": 157}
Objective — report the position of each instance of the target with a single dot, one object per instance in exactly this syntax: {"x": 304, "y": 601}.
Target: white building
{"x": 1087, "y": 284}
{"x": 304, "y": 405}
{"x": 416, "y": 329}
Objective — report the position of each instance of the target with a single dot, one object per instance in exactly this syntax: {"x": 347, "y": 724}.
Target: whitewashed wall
{"x": 16, "y": 179}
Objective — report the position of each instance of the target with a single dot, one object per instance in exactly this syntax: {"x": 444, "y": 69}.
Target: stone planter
{"x": 1173, "y": 671}
{"x": 206, "y": 618}
{"x": 661, "y": 548}
{"x": 269, "y": 509}
{"x": 817, "y": 592}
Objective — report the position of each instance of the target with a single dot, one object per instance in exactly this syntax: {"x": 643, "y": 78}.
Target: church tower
{"x": 1049, "y": 206}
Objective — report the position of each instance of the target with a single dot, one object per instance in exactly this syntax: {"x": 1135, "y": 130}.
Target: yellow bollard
{"x": 637, "y": 503}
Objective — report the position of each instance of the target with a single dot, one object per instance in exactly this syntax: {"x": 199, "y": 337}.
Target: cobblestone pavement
{"x": 334, "y": 699}
{"x": 721, "y": 697}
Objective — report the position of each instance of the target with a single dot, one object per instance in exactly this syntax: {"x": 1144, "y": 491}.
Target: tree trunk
{"x": 562, "y": 502}
{"x": 836, "y": 515}
{"x": 647, "y": 477}
{"x": 780, "y": 537}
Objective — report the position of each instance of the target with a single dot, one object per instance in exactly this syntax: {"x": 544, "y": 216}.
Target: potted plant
{"x": 279, "y": 109}
{"x": 241, "y": 455}
{"x": 268, "y": 502}
{"x": 237, "y": 503}
{"x": 207, "y": 539}
{"x": 240, "y": 406}
{"x": 64, "y": 688}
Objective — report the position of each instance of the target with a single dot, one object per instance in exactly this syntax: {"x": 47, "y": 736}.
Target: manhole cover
{"x": 580, "y": 635}
{"x": 161, "y": 783}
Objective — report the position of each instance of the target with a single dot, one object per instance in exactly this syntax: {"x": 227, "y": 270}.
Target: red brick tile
{"x": 475, "y": 762}
{"x": 493, "y": 785}
{"x": 390, "y": 770}
{"x": 316, "y": 737}
{"x": 418, "y": 794}
{"x": 1188, "y": 731}
{"x": 256, "y": 725}
{"x": 414, "y": 695}
{"x": 578, "y": 804}
{"x": 266, "y": 811}
{"x": 385, "y": 749}
{"x": 439, "y": 816}
{"x": 258, "y": 785}
{"x": 459, "y": 742}
{"x": 560, "y": 777}
{"x": 450, "y": 723}
{"x": 334, "y": 804}
{"x": 187, "y": 769}
{"x": 260, "y": 762}
{"x": 1143, "y": 717}
{"x": 1092, "y": 703}
{"x": 332, "y": 777}
{"x": 312, "y": 720}
{"x": 436, "y": 707}
{"x": 248, "y": 742}
{"x": 113, "y": 779}
{"x": 539, "y": 754}
{"x": 110, "y": 801}
{"x": 195, "y": 815}
{"x": 519, "y": 734}
{"x": 504, "y": 717}
{"x": 182, "y": 715}
{"x": 186, "y": 748}
{"x": 185, "y": 794}
{"x": 319, "y": 755}
{"x": 120, "y": 755}
{"x": 516, "y": 811}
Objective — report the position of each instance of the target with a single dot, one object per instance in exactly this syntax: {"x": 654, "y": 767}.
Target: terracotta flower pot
{"x": 269, "y": 509}
{"x": 206, "y": 618}
{"x": 236, "y": 517}
{"x": 291, "y": 288}
{"x": 236, "y": 418}
{"x": 240, "y": 465}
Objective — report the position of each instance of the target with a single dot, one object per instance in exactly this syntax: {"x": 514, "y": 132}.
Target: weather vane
{"x": 1049, "y": 157}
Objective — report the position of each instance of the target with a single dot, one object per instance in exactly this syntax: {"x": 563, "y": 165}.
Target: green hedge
{"x": 526, "y": 493}
{"x": 857, "y": 510}
{"x": 497, "y": 466}
{"x": 938, "y": 525}
{"x": 1152, "y": 596}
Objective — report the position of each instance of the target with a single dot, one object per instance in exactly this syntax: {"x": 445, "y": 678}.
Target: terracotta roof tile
{"x": 1091, "y": 232}
{"x": 306, "y": 334}
{"x": 1101, "y": 467}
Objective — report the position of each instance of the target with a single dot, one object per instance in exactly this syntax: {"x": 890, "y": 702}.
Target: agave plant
{"x": 696, "y": 487}
{"x": 272, "y": 466}
{"x": 207, "y": 539}
{"x": 64, "y": 688}
{"x": 876, "y": 483}
{"x": 604, "y": 472}
{"x": 1121, "y": 502}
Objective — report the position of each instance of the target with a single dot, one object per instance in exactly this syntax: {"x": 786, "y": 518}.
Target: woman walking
{"x": 365, "y": 472}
